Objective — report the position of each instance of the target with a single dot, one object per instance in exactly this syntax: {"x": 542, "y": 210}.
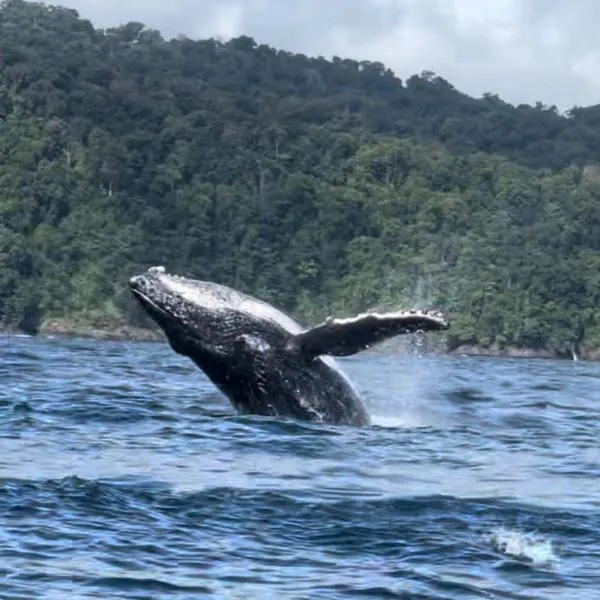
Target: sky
{"x": 522, "y": 50}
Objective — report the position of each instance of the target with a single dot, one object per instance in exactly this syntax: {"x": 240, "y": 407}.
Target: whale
{"x": 260, "y": 358}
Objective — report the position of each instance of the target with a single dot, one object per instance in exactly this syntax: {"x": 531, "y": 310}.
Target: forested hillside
{"x": 322, "y": 186}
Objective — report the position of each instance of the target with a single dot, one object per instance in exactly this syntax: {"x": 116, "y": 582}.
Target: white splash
{"x": 408, "y": 421}
{"x": 529, "y": 547}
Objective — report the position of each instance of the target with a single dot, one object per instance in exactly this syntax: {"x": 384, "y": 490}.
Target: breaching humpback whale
{"x": 260, "y": 358}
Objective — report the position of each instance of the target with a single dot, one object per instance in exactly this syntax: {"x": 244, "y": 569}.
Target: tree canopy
{"x": 323, "y": 186}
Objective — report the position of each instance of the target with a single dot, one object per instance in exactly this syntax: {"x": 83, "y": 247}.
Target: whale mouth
{"x": 149, "y": 304}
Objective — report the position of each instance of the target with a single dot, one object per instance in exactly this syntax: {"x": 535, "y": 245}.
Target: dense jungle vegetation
{"x": 325, "y": 187}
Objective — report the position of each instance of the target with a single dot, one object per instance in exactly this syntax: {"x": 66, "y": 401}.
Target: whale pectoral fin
{"x": 343, "y": 337}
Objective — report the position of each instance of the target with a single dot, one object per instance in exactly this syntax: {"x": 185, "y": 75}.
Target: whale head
{"x": 193, "y": 314}
{"x": 204, "y": 317}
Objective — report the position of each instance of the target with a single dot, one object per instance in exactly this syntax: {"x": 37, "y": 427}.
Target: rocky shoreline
{"x": 119, "y": 330}
{"x": 592, "y": 354}
{"x": 115, "y": 329}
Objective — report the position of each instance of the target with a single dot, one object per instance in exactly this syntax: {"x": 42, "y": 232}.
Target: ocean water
{"x": 125, "y": 474}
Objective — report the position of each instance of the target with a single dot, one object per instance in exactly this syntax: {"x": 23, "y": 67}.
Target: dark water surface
{"x": 124, "y": 474}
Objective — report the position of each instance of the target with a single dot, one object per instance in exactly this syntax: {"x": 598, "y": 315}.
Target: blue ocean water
{"x": 124, "y": 474}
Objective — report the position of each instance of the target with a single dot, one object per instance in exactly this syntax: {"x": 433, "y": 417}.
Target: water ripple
{"x": 124, "y": 474}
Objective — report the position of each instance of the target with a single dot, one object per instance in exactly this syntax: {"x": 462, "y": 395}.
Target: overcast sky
{"x": 523, "y": 50}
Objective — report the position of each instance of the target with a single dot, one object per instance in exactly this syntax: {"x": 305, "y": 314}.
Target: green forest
{"x": 323, "y": 186}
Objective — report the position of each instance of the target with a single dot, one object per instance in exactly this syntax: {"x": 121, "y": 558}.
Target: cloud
{"x": 522, "y": 50}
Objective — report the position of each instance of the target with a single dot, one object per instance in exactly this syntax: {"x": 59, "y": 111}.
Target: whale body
{"x": 259, "y": 357}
